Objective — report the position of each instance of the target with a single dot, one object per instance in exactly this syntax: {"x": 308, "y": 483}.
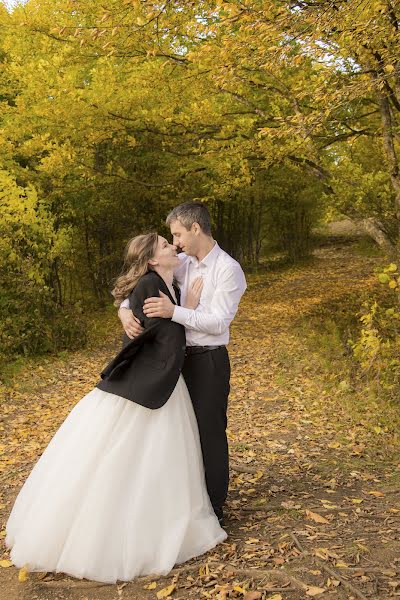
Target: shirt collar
{"x": 209, "y": 258}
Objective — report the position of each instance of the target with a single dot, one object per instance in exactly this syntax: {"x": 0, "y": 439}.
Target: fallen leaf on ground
{"x": 150, "y": 586}
{"x": 165, "y": 592}
{"x": 22, "y": 575}
{"x": 314, "y": 591}
{"x": 252, "y": 596}
{"x": 316, "y": 517}
{"x": 238, "y": 588}
{"x": 5, "y": 563}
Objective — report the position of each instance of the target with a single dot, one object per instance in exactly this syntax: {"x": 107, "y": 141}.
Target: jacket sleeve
{"x": 147, "y": 287}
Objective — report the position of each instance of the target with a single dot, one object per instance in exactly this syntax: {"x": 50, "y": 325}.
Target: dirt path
{"x": 314, "y": 503}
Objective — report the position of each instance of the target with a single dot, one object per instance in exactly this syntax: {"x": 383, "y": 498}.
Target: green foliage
{"x": 293, "y": 203}
{"x": 113, "y": 123}
{"x": 377, "y": 348}
{"x": 362, "y": 186}
{"x": 31, "y": 320}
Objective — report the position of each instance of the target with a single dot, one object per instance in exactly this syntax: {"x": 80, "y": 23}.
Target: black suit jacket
{"x": 147, "y": 368}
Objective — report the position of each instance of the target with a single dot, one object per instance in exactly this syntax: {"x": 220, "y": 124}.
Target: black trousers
{"x": 207, "y": 378}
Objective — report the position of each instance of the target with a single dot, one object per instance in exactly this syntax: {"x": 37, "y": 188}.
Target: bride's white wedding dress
{"x": 118, "y": 492}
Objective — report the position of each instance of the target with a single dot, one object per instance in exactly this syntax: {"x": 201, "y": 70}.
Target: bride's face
{"x": 165, "y": 255}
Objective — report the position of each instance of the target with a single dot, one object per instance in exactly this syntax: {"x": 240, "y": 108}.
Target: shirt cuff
{"x": 125, "y": 303}
{"x": 181, "y": 315}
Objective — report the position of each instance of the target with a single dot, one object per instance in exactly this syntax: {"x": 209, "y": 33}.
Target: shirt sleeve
{"x": 125, "y": 303}
{"x": 225, "y": 302}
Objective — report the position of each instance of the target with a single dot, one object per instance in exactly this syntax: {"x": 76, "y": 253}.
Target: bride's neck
{"x": 166, "y": 274}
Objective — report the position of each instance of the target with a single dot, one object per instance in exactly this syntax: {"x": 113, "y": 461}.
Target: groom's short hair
{"x": 189, "y": 213}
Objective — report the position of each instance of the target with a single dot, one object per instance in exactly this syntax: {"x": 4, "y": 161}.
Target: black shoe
{"x": 220, "y": 515}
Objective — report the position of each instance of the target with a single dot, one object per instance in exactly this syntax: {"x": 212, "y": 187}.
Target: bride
{"x": 120, "y": 490}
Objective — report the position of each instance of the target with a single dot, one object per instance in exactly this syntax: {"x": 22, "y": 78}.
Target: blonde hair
{"x": 139, "y": 250}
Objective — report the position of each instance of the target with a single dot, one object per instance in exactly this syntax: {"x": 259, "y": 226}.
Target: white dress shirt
{"x": 224, "y": 284}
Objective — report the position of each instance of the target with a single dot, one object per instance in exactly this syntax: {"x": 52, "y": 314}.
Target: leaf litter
{"x": 310, "y": 512}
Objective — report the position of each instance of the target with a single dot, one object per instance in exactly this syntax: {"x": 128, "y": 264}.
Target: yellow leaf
{"x": 314, "y": 591}
{"x": 223, "y": 591}
{"x": 357, "y": 500}
{"x": 341, "y": 565}
{"x": 5, "y": 563}
{"x": 316, "y": 517}
{"x": 334, "y": 445}
{"x": 362, "y": 547}
{"x": 150, "y": 586}
{"x": 257, "y": 476}
{"x": 22, "y": 575}
{"x": 239, "y": 589}
{"x": 325, "y": 554}
{"x": 377, "y": 494}
{"x": 275, "y": 597}
{"x": 165, "y": 592}
{"x": 204, "y": 571}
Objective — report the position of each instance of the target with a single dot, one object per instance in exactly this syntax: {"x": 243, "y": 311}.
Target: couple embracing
{"x": 134, "y": 480}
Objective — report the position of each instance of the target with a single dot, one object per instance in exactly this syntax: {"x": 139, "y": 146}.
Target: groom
{"x": 206, "y": 368}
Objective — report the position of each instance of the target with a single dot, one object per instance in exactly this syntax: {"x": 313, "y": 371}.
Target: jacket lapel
{"x": 177, "y": 293}
{"x": 166, "y": 290}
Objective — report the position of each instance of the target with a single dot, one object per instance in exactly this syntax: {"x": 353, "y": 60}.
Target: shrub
{"x": 31, "y": 319}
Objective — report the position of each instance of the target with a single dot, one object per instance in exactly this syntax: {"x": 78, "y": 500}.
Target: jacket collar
{"x": 166, "y": 290}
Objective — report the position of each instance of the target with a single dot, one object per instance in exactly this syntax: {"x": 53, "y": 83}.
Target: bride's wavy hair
{"x": 139, "y": 250}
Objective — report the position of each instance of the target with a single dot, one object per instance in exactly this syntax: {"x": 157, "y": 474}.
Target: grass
{"x": 365, "y": 246}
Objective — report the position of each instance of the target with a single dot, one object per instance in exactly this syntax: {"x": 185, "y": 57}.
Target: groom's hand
{"x": 158, "y": 307}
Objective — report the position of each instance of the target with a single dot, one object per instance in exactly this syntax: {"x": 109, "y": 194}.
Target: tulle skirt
{"x": 118, "y": 492}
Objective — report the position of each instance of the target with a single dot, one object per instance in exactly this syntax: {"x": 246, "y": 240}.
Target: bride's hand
{"x": 130, "y": 323}
{"x": 194, "y": 293}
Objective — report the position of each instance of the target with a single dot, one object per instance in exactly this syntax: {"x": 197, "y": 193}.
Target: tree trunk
{"x": 375, "y": 230}
{"x": 390, "y": 150}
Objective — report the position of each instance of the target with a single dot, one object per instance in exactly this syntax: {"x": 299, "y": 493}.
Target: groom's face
{"x": 184, "y": 239}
